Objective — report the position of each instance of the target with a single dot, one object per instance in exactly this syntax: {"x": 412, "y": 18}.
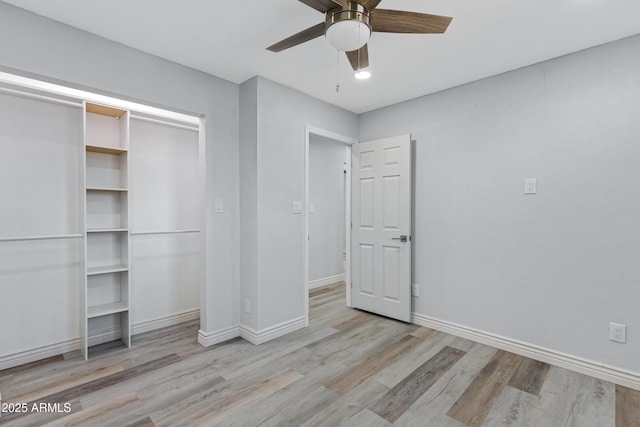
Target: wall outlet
{"x": 530, "y": 186}
{"x": 617, "y": 332}
{"x": 247, "y": 306}
{"x": 297, "y": 207}
{"x": 415, "y": 290}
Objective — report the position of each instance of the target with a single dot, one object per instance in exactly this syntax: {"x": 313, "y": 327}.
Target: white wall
{"x": 327, "y": 221}
{"x": 38, "y": 47}
{"x": 551, "y": 269}
{"x": 282, "y": 114}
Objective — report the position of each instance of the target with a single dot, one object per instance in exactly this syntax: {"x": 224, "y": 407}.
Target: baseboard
{"x": 98, "y": 337}
{"x": 104, "y": 335}
{"x": 39, "y": 353}
{"x": 207, "y": 339}
{"x": 272, "y": 332}
{"x": 112, "y": 334}
{"x": 552, "y": 357}
{"x": 326, "y": 281}
{"x": 163, "y": 322}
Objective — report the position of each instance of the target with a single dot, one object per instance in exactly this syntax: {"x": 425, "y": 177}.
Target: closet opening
{"x": 102, "y": 228}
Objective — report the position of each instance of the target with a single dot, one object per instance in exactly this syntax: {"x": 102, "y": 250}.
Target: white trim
{"x": 163, "y": 122}
{"x": 347, "y": 223}
{"x": 30, "y": 95}
{"x": 163, "y": 322}
{"x": 112, "y": 334}
{"x": 326, "y": 281}
{"x": 207, "y": 339}
{"x": 104, "y": 335}
{"x": 39, "y": 353}
{"x": 553, "y": 357}
{"x": 98, "y": 337}
{"x": 93, "y": 97}
{"x": 272, "y": 332}
{"x": 308, "y": 131}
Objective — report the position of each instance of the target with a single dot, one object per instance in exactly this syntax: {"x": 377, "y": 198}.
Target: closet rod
{"x": 146, "y": 233}
{"x": 27, "y": 238}
{"x": 164, "y": 122}
{"x": 39, "y": 97}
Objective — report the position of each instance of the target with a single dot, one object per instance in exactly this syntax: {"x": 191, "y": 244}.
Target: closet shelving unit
{"x": 106, "y": 313}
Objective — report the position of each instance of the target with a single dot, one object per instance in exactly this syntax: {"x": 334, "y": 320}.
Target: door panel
{"x": 391, "y": 203}
{"x": 381, "y": 213}
{"x": 391, "y": 273}
{"x": 367, "y": 270}
{"x": 367, "y": 202}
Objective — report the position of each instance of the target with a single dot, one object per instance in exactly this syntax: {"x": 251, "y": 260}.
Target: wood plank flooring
{"x": 348, "y": 368}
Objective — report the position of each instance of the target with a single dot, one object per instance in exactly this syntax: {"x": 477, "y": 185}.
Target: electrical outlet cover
{"x": 617, "y": 332}
{"x": 530, "y": 186}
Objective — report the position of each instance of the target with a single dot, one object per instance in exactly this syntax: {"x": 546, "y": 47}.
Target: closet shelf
{"x": 105, "y": 150}
{"x": 105, "y": 309}
{"x": 107, "y": 189}
{"x": 93, "y": 271}
{"x": 106, "y": 230}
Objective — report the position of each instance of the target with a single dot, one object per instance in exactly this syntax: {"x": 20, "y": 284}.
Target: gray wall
{"x": 551, "y": 269}
{"x": 282, "y": 114}
{"x": 249, "y": 198}
{"x": 326, "y": 193}
{"x": 34, "y": 46}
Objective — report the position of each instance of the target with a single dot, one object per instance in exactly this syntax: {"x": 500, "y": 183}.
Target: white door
{"x": 381, "y": 227}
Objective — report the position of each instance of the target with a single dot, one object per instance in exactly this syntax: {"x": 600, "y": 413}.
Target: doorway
{"x": 324, "y": 209}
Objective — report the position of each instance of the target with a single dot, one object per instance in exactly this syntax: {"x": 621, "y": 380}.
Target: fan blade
{"x": 397, "y": 21}
{"x": 301, "y": 37}
{"x": 362, "y": 61}
{"x": 370, "y": 4}
{"x": 322, "y": 5}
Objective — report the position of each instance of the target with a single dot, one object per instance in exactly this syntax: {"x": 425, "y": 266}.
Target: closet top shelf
{"x": 104, "y": 110}
{"x": 106, "y": 150}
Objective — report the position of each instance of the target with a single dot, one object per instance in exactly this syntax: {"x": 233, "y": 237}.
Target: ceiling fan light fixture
{"x": 347, "y": 28}
{"x": 362, "y": 74}
{"x": 347, "y": 36}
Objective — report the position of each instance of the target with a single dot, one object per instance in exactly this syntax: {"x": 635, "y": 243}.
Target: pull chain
{"x": 337, "y": 71}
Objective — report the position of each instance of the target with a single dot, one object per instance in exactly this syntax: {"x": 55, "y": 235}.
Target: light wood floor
{"x": 348, "y": 368}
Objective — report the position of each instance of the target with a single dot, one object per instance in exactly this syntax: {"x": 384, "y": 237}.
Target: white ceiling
{"x": 228, "y": 39}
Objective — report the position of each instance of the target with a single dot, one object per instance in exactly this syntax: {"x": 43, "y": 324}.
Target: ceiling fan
{"x": 348, "y": 26}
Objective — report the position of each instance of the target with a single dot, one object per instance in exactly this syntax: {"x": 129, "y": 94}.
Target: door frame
{"x": 308, "y": 131}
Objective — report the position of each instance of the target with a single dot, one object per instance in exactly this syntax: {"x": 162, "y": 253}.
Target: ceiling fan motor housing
{"x": 348, "y": 28}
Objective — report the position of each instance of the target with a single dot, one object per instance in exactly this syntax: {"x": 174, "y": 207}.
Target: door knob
{"x": 402, "y": 238}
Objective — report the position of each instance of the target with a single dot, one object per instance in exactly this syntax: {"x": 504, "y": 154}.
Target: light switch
{"x": 312, "y": 208}
{"x": 297, "y": 207}
{"x": 219, "y": 206}
{"x": 530, "y": 186}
